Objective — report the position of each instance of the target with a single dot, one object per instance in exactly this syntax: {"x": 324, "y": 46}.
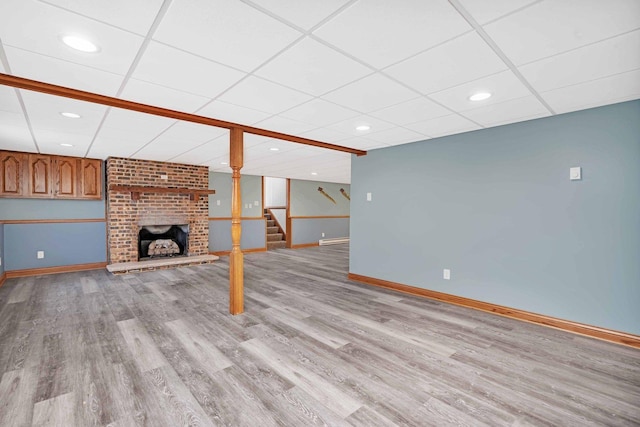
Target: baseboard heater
{"x": 333, "y": 241}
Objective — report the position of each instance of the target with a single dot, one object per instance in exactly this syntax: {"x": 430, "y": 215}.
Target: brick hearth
{"x": 125, "y": 216}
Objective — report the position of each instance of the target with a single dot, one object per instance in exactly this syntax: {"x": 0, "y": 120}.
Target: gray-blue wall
{"x": 496, "y": 206}
{"x": 253, "y": 234}
{"x": 309, "y": 230}
{"x": 307, "y": 201}
{"x": 2, "y": 248}
{"x": 250, "y": 189}
{"x": 23, "y": 209}
{"x": 63, "y": 243}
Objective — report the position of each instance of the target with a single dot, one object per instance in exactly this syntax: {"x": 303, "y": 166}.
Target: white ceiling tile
{"x": 608, "y": 90}
{"x": 167, "y": 66}
{"x": 371, "y": 93}
{"x": 412, "y": 111}
{"x": 326, "y": 135}
{"x": 525, "y": 108}
{"x": 396, "y": 136}
{"x": 284, "y": 125}
{"x": 484, "y": 11}
{"x": 161, "y": 96}
{"x": 217, "y": 148}
{"x": 349, "y": 126}
{"x": 229, "y": 32}
{"x": 319, "y": 112}
{"x": 14, "y": 132}
{"x": 260, "y": 94}
{"x": 251, "y": 140}
{"x": 63, "y": 73}
{"x": 9, "y": 100}
{"x": 312, "y": 67}
{"x": 37, "y": 27}
{"x": 503, "y": 86}
{"x": 613, "y": 56}
{"x": 304, "y": 14}
{"x": 441, "y": 126}
{"x": 135, "y": 16}
{"x": 125, "y": 132}
{"x": 232, "y": 113}
{"x": 551, "y": 27}
{"x": 177, "y": 139}
{"x": 362, "y": 143}
{"x": 382, "y": 32}
{"x": 49, "y": 142}
{"x": 463, "y": 59}
{"x": 264, "y": 149}
{"x": 44, "y": 113}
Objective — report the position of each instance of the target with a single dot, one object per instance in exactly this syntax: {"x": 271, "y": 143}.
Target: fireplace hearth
{"x": 155, "y": 241}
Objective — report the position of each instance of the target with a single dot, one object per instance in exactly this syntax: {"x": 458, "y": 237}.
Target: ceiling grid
{"x": 399, "y": 71}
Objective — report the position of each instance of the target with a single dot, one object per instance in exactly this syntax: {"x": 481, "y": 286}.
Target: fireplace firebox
{"x": 163, "y": 241}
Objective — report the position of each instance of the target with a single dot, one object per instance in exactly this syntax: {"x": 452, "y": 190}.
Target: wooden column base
{"x": 236, "y": 277}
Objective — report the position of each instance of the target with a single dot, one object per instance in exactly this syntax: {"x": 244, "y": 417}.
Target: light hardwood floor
{"x": 158, "y": 348}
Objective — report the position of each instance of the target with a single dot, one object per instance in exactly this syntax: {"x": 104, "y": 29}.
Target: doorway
{"x": 275, "y": 211}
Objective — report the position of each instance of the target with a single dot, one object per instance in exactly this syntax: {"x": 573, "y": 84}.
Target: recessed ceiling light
{"x": 480, "y": 96}
{"x": 70, "y": 115}
{"x": 66, "y": 145}
{"x": 314, "y": 173}
{"x": 363, "y": 127}
{"x": 274, "y": 149}
{"x": 79, "y": 43}
{"x": 224, "y": 163}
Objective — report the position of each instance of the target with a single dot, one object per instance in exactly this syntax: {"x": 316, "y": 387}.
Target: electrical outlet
{"x": 40, "y": 254}
{"x": 322, "y": 234}
{"x": 218, "y": 202}
{"x": 368, "y": 197}
{"x": 0, "y": 261}
{"x": 446, "y": 274}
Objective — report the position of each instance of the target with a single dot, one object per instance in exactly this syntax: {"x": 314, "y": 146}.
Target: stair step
{"x": 276, "y": 245}
{"x": 272, "y": 230}
{"x": 267, "y": 216}
{"x": 274, "y": 237}
{"x": 271, "y": 223}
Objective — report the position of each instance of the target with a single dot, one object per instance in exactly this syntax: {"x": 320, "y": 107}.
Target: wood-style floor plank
{"x": 312, "y": 348}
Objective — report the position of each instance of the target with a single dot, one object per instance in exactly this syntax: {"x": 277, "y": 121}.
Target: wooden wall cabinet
{"x": 66, "y": 177}
{"x": 91, "y": 179}
{"x": 45, "y": 176}
{"x": 12, "y": 174}
{"x": 39, "y": 176}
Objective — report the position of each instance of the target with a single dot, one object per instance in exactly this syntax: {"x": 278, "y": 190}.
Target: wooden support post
{"x": 236, "y": 263}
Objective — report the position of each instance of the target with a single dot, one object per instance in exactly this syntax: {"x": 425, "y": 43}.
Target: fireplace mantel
{"x": 136, "y": 190}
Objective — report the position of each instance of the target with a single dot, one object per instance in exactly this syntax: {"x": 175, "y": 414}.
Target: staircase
{"x": 275, "y": 236}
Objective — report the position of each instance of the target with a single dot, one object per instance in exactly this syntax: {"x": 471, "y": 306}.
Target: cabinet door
{"x": 66, "y": 173}
{"x": 40, "y": 176}
{"x": 12, "y": 177}
{"x": 91, "y": 179}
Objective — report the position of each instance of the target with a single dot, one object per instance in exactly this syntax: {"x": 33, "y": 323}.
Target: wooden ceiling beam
{"x": 66, "y": 92}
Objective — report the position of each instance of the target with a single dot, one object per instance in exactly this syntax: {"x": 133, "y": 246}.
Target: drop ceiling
{"x": 316, "y": 69}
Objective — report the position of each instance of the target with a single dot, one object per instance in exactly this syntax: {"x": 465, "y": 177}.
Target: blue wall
{"x": 307, "y": 201}
{"x": 309, "y": 230}
{"x": 22, "y": 209}
{"x": 250, "y": 189}
{"x": 496, "y": 206}
{"x": 2, "y": 248}
{"x": 62, "y": 243}
{"x": 253, "y": 234}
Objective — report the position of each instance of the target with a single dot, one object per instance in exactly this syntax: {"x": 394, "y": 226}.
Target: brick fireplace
{"x": 129, "y": 212}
